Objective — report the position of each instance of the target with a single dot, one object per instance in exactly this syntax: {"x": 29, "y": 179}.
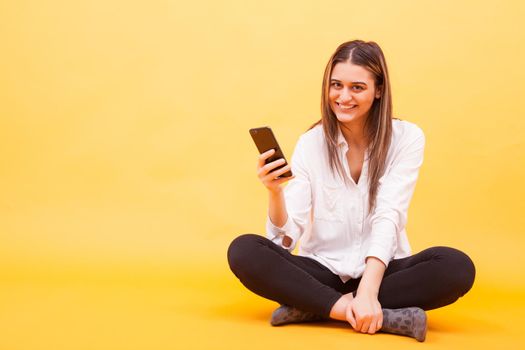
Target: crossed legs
{"x": 430, "y": 279}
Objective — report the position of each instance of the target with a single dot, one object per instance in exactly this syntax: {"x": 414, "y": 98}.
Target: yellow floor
{"x": 121, "y": 309}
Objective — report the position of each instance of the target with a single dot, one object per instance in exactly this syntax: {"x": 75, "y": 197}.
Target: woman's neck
{"x": 354, "y": 134}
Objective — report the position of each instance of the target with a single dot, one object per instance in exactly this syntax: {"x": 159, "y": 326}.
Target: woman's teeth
{"x": 346, "y": 107}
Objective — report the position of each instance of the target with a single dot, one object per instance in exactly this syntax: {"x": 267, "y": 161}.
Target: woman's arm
{"x": 365, "y": 308}
{"x": 372, "y": 277}
{"x": 389, "y": 217}
{"x": 277, "y": 212}
{"x": 393, "y": 197}
{"x": 289, "y": 207}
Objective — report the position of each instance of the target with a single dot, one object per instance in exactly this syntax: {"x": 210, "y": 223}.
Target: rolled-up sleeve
{"x": 298, "y": 200}
{"x": 393, "y": 198}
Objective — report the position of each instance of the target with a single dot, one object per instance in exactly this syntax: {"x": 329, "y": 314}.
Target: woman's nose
{"x": 345, "y": 95}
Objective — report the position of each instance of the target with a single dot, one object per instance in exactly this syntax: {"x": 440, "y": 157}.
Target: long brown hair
{"x": 378, "y": 125}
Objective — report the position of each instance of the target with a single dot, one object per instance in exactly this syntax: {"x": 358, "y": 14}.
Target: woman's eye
{"x": 358, "y": 87}
{"x": 335, "y": 84}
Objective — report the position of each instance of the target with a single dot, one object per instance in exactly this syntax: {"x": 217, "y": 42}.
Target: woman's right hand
{"x": 267, "y": 173}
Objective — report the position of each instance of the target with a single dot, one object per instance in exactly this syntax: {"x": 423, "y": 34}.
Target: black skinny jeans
{"x": 430, "y": 279}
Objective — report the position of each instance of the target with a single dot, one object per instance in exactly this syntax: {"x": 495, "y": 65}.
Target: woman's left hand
{"x": 367, "y": 312}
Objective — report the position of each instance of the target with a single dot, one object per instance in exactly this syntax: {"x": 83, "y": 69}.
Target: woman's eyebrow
{"x": 353, "y": 82}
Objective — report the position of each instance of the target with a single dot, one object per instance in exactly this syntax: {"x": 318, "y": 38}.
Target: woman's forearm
{"x": 372, "y": 277}
{"x": 278, "y": 214}
{"x": 277, "y": 208}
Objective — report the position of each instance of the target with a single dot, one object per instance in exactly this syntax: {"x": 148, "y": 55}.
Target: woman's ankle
{"x": 338, "y": 311}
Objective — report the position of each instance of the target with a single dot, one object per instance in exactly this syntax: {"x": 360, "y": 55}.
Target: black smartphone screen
{"x": 265, "y": 140}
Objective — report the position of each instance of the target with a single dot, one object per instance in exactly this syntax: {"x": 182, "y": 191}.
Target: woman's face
{"x": 352, "y": 92}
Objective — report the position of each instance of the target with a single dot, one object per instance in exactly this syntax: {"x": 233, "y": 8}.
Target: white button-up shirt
{"x": 331, "y": 219}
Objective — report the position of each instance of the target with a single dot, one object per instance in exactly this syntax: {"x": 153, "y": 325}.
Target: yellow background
{"x": 126, "y": 166}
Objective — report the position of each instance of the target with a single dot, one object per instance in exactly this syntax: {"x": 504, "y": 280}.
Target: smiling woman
{"x": 357, "y": 75}
{"x": 355, "y": 171}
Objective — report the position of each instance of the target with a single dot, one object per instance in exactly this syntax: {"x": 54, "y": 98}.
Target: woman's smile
{"x": 345, "y": 108}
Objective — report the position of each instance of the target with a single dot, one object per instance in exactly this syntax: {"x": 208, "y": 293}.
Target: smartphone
{"x": 265, "y": 140}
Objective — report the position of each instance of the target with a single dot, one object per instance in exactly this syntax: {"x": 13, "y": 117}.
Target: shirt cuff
{"x": 276, "y": 234}
{"x": 384, "y": 242}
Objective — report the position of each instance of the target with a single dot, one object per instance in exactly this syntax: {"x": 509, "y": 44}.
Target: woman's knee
{"x": 241, "y": 249}
{"x": 458, "y": 266}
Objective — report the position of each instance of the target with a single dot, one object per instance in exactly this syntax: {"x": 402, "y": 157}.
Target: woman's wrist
{"x": 275, "y": 192}
{"x": 368, "y": 292}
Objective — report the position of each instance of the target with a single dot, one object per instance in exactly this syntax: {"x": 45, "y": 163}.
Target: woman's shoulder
{"x": 312, "y": 137}
{"x": 405, "y": 131}
{"x": 310, "y": 144}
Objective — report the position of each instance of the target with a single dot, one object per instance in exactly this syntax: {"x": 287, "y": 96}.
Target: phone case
{"x": 265, "y": 140}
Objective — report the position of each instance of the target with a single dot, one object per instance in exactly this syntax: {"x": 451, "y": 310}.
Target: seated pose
{"x": 354, "y": 173}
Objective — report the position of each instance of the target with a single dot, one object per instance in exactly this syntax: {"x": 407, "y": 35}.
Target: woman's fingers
{"x": 376, "y": 322}
{"x": 284, "y": 179}
{"x": 270, "y": 166}
{"x": 378, "y": 326}
{"x": 368, "y": 313}
{"x": 372, "y": 326}
{"x": 358, "y": 321}
{"x": 351, "y": 318}
{"x": 365, "y": 325}
{"x": 264, "y": 156}
{"x": 380, "y": 321}
{"x": 268, "y": 173}
{"x": 274, "y": 174}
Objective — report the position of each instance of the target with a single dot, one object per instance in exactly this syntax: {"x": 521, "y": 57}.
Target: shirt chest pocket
{"x": 329, "y": 202}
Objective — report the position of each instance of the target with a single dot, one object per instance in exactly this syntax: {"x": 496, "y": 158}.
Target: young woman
{"x": 355, "y": 171}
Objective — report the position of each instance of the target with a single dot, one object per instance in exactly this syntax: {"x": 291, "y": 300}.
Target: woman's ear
{"x": 378, "y": 91}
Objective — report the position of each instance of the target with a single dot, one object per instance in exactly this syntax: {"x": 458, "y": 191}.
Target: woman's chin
{"x": 346, "y": 118}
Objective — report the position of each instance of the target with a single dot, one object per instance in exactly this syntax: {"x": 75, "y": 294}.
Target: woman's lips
{"x": 346, "y": 108}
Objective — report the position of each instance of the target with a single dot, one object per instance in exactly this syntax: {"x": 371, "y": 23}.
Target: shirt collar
{"x": 340, "y": 138}
{"x": 341, "y": 141}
